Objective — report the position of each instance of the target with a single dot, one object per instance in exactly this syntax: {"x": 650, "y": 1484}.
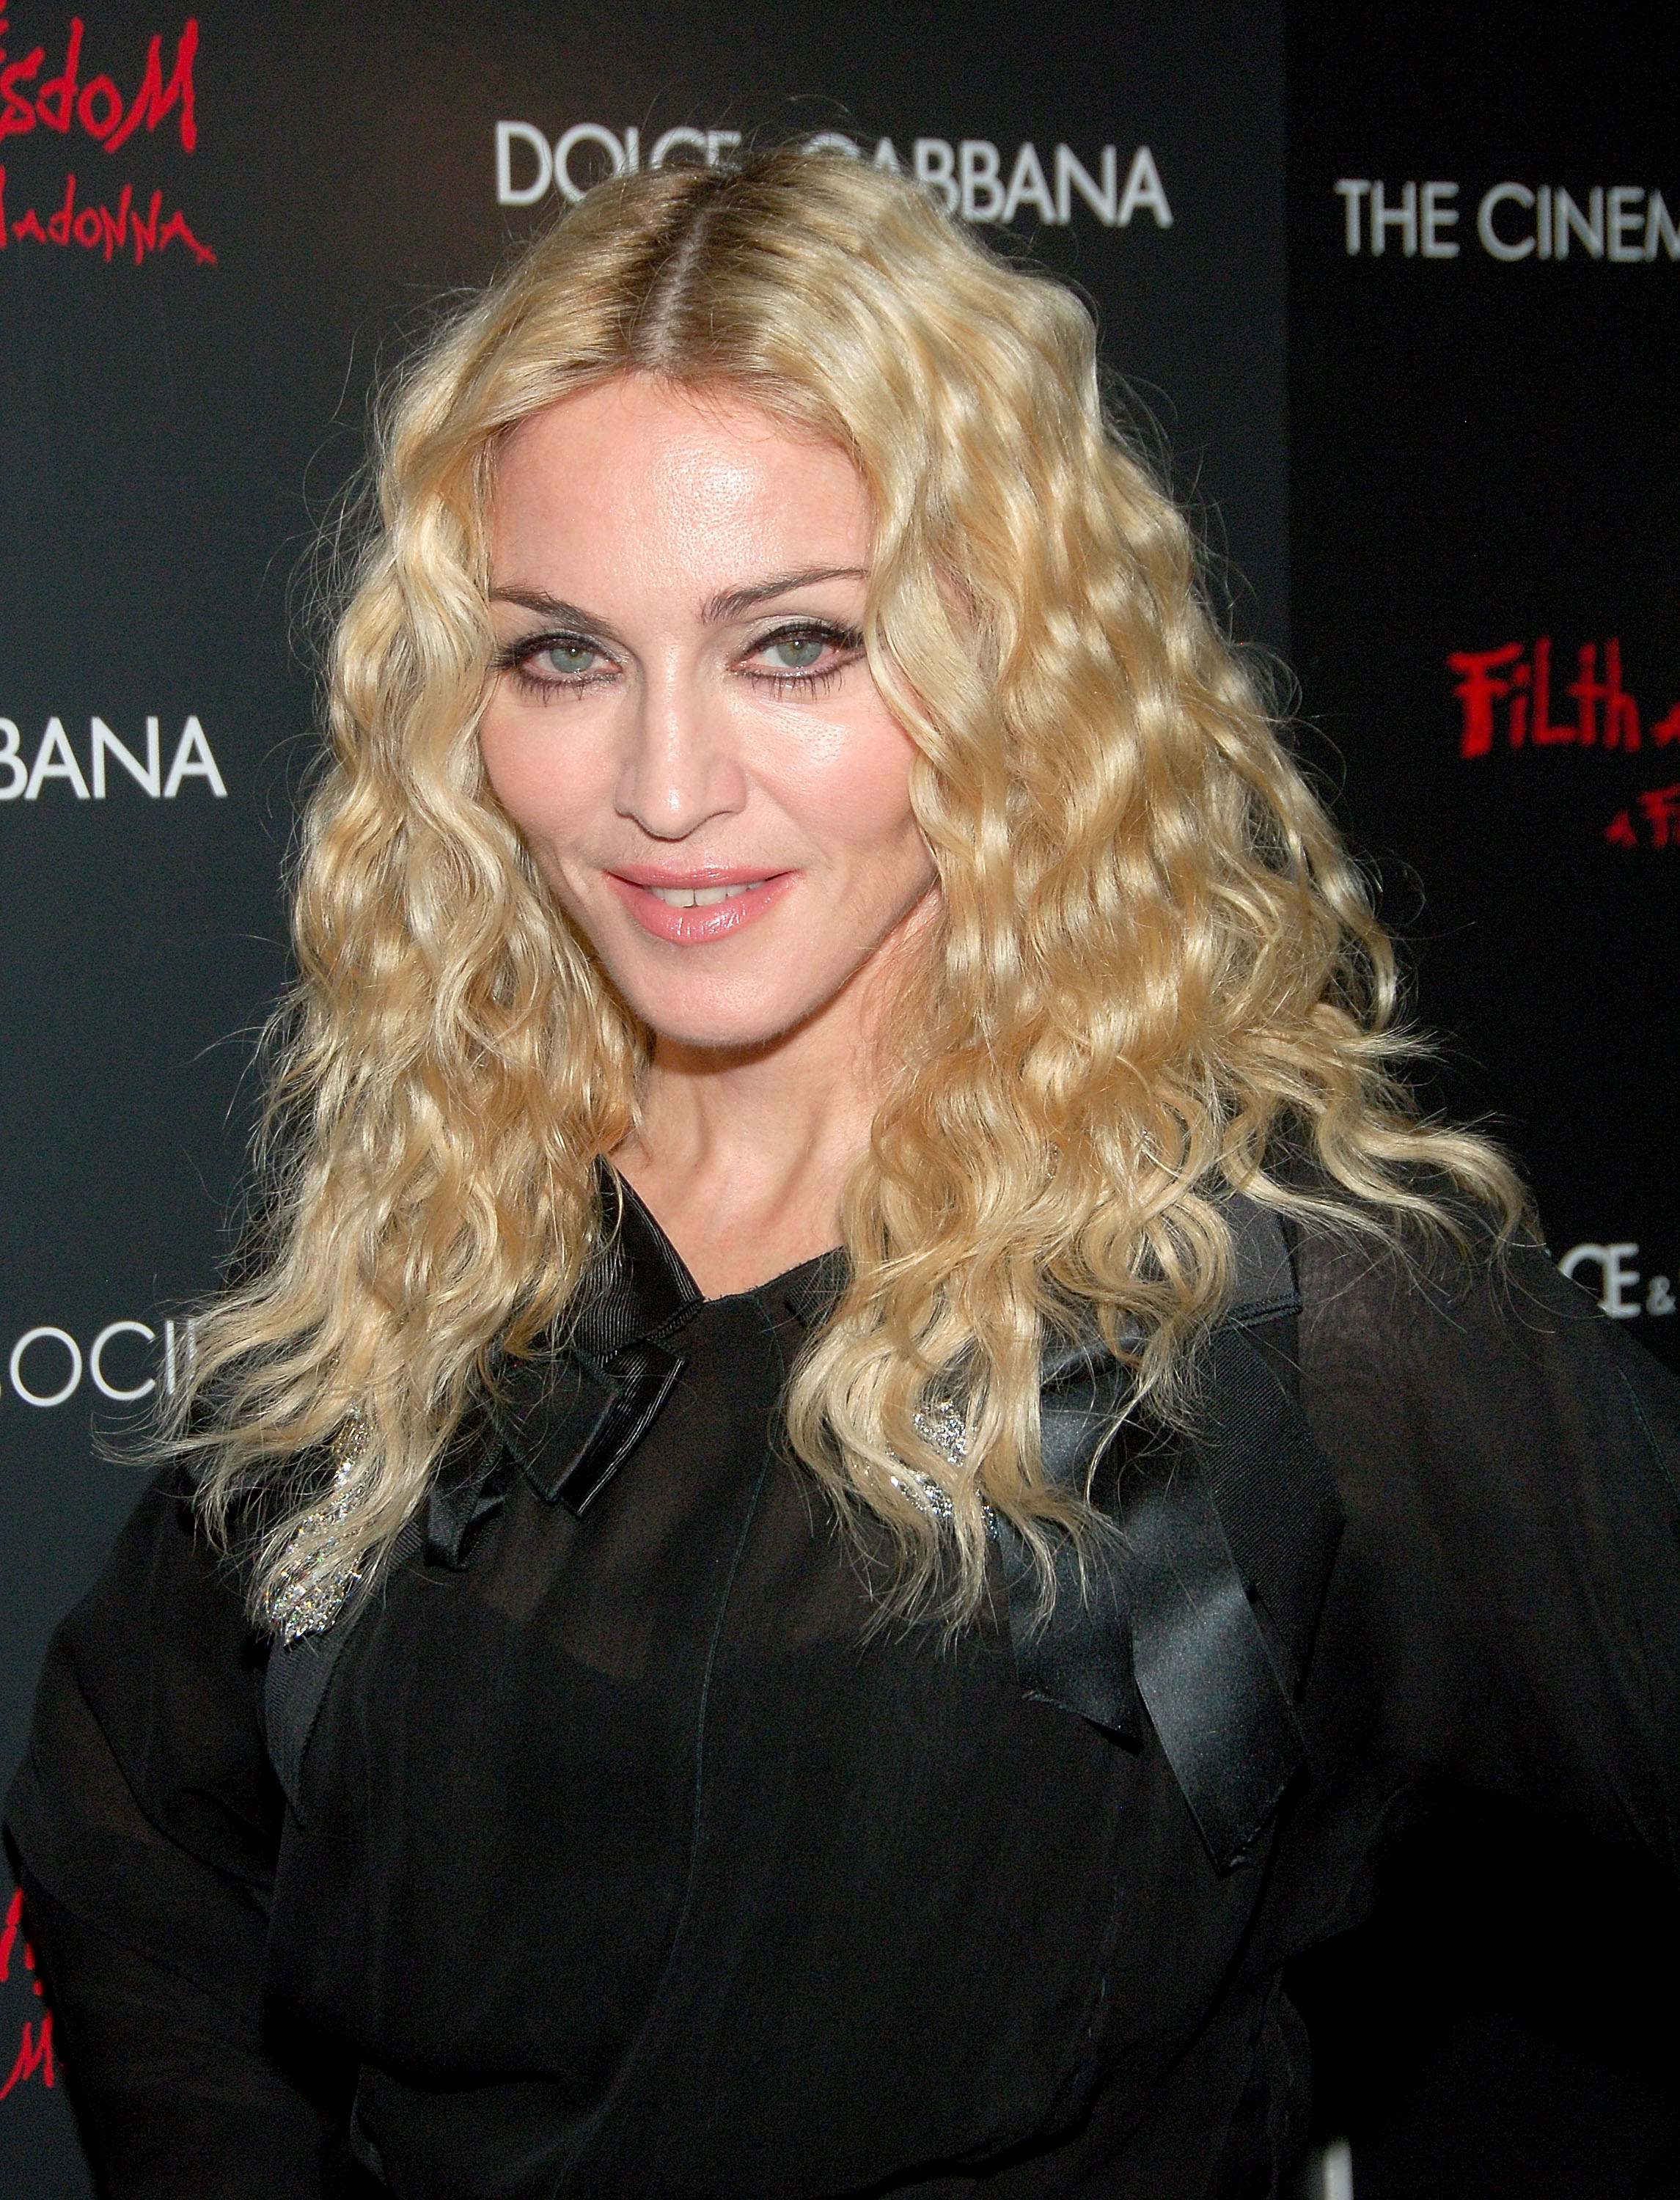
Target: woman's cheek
{"x": 848, "y": 782}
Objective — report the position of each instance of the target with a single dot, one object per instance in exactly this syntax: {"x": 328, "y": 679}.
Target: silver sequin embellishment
{"x": 308, "y": 1591}
{"x": 938, "y": 1423}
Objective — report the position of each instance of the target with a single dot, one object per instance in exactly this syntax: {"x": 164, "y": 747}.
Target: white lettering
{"x": 593, "y": 133}
{"x": 936, "y": 165}
{"x": 1072, "y": 175}
{"x": 1436, "y": 217}
{"x": 1657, "y": 224}
{"x": 1351, "y": 192}
{"x": 1142, "y": 188}
{"x": 1027, "y": 186}
{"x": 171, "y": 1371}
{"x": 97, "y": 1356}
{"x": 39, "y": 1336}
{"x": 508, "y": 193}
{"x": 1588, "y": 226}
{"x": 980, "y": 166}
{"x": 13, "y": 761}
{"x": 1624, "y": 224}
{"x": 1501, "y": 194}
{"x": 193, "y": 760}
{"x": 1404, "y": 218}
{"x": 55, "y": 759}
{"x": 1616, "y": 1277}
{"x": 967, "y": 176}
{"x": 666, "y": 146}
{"x": 105, "y": 741}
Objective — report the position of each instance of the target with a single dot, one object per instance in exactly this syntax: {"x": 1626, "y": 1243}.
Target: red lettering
{"x": 1661, "y": 806}
{"x": 58, "y": 224}
{"x": 1667, "y": 728}
{"x": 9, "y": 1931}
{"x": 99, "y": 109}
{"x": 97, "y": 227}
{"x": 57, "y": 100}
{"x": 1619, "y": 831}
{"x": 1621, "y": 712}
{"x": 145, "y": 233}
{"x": 1476, "y": 690}
{"x": 176, "y": 226}
{"x": 154, "y": 99}
{"x": 115, "y": 225}
{"x": 32, "y": 2054}
{"x": 1586, "y": 690}
{"x": 17, "y": 114}
{"x": 1517, "y": 723}
{"x": 1543, "y": 733}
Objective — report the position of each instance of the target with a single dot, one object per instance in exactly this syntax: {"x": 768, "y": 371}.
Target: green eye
{"x": 795, "y": 652}
{"x": 568, "y": 658}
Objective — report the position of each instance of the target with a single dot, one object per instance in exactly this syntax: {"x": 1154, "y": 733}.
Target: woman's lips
{"x": 689, "y": 912}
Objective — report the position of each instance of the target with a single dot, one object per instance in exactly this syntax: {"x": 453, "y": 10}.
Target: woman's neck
{"x": 743, "y": 1159}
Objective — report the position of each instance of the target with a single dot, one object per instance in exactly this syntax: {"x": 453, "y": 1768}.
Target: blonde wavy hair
{"x": 1155, "y": 977}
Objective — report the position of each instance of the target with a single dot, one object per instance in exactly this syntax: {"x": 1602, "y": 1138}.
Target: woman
{"x": 863, "y": 1448}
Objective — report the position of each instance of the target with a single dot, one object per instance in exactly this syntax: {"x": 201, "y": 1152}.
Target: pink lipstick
{"x": 692, "y": 907}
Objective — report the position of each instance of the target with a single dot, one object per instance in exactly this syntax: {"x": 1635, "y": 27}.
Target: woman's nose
{"x": 680, "y": 768}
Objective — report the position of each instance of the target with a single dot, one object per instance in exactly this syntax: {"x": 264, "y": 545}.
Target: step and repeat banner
{"x": 1426, "y": 420}
{"x": 1485, "y": 486}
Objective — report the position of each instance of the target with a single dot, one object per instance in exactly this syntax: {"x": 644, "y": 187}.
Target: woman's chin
{"x": 726, "y": 1038}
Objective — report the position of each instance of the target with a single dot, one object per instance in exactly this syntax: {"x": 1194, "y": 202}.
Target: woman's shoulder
{"x": 1490, "y": 1428}
{"x": 1462, "y": 1322}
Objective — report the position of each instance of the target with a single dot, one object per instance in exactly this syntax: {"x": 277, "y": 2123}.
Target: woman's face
{"x": 683, "y": 725}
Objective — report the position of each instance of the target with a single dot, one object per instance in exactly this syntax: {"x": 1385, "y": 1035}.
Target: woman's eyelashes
{"x": 802, "y": 656}
{"x": 808, "y": 655}
{"x": 550, "y": 664}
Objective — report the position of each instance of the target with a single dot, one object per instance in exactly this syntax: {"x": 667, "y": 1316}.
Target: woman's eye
{"x": 795, "y": 652}
{"x": 565, "y": 660}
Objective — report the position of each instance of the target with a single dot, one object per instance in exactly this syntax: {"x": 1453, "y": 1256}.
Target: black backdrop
{"x": 216, "y": 227}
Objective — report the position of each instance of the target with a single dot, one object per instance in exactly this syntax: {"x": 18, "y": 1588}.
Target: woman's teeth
{"x": 701, "y": 897}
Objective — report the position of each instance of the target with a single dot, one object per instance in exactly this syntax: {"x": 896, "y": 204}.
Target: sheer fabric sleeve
{"x": 1505, "y": 1613}
{"x": 145, "y": 1821}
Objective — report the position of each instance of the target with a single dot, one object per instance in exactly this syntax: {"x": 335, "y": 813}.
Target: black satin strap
{"x": 1204, "y": 1603}
{"x": 600, "y": 1414}
{"x": 462, "y": 1497}
{"x": 1081, "y": 1658}
{"x": 572, "y": 1419}
{"x": 640, "y": 1287}
{"x": 1220, "y": 1705}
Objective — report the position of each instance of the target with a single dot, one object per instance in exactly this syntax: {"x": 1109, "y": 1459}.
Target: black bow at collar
{"x": 572, "y": 1416}
{"x": 1165, "y": 1614}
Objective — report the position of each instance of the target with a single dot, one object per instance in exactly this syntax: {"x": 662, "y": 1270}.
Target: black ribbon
{"x": 1201, "y": 1598}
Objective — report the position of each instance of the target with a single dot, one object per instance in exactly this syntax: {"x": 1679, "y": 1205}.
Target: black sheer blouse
{"x": 626, "y": 1857}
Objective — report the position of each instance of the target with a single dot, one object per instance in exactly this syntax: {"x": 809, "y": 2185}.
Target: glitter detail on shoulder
{"x": 310, "y": 1584}
{"x": 938, "y": 1423}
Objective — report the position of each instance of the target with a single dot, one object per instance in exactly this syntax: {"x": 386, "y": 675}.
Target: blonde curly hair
{"x": 1154, "y": 977}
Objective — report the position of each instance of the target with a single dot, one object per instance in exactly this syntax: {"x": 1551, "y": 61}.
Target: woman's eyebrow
{"x": 735, "y": 603}
{"x": 556, "y": 610}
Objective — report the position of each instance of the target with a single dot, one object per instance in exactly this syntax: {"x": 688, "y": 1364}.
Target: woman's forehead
{"x": 699, "y": 475}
